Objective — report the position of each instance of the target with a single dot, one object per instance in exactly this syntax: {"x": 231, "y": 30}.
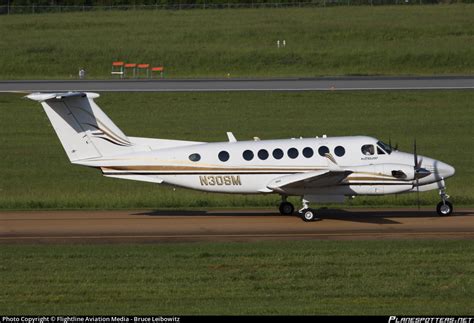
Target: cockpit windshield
{"x": 385, "y": 147}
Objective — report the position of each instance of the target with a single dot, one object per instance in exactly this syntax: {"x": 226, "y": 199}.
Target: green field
{"x": 312, "y": 277}
{"x": 365, "y": 40}
{"x": 36, "y": 173}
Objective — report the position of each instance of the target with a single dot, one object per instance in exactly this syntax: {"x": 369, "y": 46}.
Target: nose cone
{"x": 444, "y": 170}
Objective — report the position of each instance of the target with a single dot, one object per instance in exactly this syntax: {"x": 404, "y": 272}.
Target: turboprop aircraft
{"x": 320, "y": 169}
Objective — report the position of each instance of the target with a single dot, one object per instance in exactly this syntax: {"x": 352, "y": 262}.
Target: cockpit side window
{"x": 385, "y": 147}
{"x": 380, "y": 151}
{"x": 368, "y": 150}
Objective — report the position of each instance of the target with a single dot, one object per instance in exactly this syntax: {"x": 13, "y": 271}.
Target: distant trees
{"x": 177, "y": 2}
{"x": 133, "y": 2}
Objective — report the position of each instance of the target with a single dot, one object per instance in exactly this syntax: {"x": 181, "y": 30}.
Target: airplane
{"x": 319, "y": 170}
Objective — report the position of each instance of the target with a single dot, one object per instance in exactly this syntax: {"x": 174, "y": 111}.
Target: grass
{"x": 35, "y": 172}
{"x": 310, "y": 277}
{"x": 385, "y": 40}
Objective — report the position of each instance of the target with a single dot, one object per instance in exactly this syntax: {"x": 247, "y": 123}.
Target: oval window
{"x": 308, "y": 152}
{"x": 262, "y": 154}
{"x": 224, "y": 156}
{"x": 194, "y": 157}
{"x": 323, "y": 150}
{"x": 248, "y": 155}
{"x": 339, "y": 151}
{"x": 293, "y": 153}
{"x": 278, "y": 153}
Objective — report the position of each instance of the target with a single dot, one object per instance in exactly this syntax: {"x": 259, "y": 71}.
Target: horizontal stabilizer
{"x": 40, "y": 97}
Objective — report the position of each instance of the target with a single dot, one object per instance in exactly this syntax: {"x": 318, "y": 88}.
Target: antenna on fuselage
{"x": 231, "y": 137}
{"x": 390, "y": 144}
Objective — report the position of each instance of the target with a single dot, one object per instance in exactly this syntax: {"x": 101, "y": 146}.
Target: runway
{"x": 216, "y": 85}
{"x": 229, "y": 225}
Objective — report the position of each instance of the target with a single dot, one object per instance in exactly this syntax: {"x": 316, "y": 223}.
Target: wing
{"x": 314, "y": 179}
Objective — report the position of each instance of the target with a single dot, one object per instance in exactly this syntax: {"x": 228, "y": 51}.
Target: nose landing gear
{"x": 444, "y": 208}
{"x": 307, "y": 214}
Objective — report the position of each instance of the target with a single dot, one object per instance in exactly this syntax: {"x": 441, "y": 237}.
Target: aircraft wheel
{"x": 444, "y": 209}
{"x": 308, "y": 215}
{"x": 286, "y": 208}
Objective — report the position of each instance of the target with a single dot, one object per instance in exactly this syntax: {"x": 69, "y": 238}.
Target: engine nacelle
{"x": 399, "y": 171}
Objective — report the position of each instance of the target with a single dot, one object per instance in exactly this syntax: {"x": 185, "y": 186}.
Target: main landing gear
{"x": 286, "y": 208}
{"x": 307, "y": 214}
{"x": 444, "y": 208}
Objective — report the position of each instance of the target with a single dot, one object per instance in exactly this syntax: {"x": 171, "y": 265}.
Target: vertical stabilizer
{"x": 83, "y": 128}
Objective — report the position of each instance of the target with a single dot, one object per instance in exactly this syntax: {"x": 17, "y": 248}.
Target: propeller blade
{"x": 419, "y": 171}
{"x": 390, "y": 142}
{"x": 396, "y": 146}
{"x": 418, "y": 194}
{"x": 418, "y": 166}
{"x": 417, "y": 162}
{"x": 415, "y": 155}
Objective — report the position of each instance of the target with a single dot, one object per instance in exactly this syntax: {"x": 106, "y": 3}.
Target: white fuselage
{"x": 247, "y": 167}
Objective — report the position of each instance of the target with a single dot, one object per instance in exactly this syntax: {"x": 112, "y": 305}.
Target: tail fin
{"x": 83, "y": 128}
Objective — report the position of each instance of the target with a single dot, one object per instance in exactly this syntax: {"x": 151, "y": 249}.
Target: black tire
{"x": 286, "y": 208}
{"x": 308, "y": 215}
{"x": 444, "y": 209}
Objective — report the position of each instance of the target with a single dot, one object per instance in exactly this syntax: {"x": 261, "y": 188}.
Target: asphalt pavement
{"x": 210, "y": 85}
{"x": 230, "y": 225}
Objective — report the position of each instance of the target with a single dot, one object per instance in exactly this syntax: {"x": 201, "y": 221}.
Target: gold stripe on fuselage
{"x": 198, "y": 168}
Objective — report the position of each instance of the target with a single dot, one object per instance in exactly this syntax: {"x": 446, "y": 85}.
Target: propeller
{"x": 420, "y": 172}
{"x": 415, "y": 155}
{"x": 417, "y": 166}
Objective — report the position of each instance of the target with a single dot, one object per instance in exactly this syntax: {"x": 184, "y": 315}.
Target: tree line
{"x": 171, "y": 3}
{"x": 134, "y": 2}
{"x": 176, "y": 2}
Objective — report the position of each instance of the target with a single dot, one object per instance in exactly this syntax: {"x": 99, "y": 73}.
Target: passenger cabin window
{"x": 368, "y": 150}
{"x": 308, "y": 152}
{"x": 339, "y": 151}
{"x": 248, "y": 155}
{"x": 293, "y": 153}
{"x": 194, "y": 157}
{"x": 323, "y": 150}
{"x": 278, "y": 153}
{"x": 262, "y": 154}
{"x": 223, "y": 156}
